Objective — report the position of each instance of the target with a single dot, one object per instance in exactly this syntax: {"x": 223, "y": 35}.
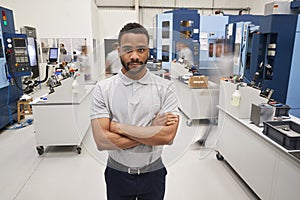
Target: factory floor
{"x": 61, "y": 174}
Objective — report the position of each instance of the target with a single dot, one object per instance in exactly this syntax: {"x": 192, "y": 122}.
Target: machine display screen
{"x": 53, "y": 54}
{"x": 32, "y": 51}
{"x": 19, "y": 42}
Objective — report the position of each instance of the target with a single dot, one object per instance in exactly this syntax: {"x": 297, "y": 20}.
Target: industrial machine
{"x": 14, "y": 63}
{"x": 175, "y": 26}
{"x": 238, "y": 42}
{"x": 277, "y": 57}
{"x": 267, "y": 55}
{"x": 237, "y": 33}
{"x": 212, "y": 36}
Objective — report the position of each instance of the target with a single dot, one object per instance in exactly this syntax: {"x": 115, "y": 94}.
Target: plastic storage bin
{"x": 285, "y": 133}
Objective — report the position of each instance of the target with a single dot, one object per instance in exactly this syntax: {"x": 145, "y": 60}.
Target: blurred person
{"x": 184, "y": 53}
{"x": 112, "y": 62}
{"x": 62, "y": 49}
{"x": 84, "y": 64}
{"x": 62, "y": 52}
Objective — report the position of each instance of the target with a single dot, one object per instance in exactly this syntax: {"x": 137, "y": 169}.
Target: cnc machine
{"x": 176, "y": 26}
{"x": 14, "y": 63}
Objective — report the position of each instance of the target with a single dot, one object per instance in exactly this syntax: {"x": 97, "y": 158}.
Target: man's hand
{"x": 114, "y": 127}
{"x": 166, "y": 119}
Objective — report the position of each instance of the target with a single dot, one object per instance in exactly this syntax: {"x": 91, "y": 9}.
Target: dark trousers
{"x": 145, "y": 186}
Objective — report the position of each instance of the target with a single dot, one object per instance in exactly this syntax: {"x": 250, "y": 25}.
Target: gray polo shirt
{"x": 134, "y": 102}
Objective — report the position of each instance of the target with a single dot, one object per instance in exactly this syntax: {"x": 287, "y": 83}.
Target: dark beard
{"x": 133, "y": 71}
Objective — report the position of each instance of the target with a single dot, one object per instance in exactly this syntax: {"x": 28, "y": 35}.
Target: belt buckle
{"x": 130, "y": 172}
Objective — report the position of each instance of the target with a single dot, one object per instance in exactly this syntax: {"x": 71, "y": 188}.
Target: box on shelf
{"x": 198, "y": 82}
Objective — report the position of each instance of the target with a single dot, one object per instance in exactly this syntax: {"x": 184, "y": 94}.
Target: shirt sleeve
{"x": 99, "y": 106}
{"x": 170, "y": 102}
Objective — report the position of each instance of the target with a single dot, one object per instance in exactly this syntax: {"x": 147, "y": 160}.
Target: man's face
{"x": 134, "y": 52}
{"x": 179, "y": 46}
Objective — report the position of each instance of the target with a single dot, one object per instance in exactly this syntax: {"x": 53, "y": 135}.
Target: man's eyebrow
{"x": 139, "y": 46}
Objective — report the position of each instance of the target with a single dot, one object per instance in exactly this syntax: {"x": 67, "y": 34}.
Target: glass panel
{"x": 187, "y": 23}
{"x": 165, "y": 53}
{"x": 165, "y": 29}
{"x": 186, "y": 34}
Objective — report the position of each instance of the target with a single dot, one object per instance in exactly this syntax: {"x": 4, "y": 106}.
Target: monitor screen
{"x": 19, "y": 42}
{"x": 53, "y": 54}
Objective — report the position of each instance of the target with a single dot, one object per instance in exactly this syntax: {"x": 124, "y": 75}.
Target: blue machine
{"x": 277, "y": 58}
{"x": 212, "y": 36}
{"x": 271, "y": 55}
{"x": 176, "y": 26}
{"x": 13, "y": 64}
{"x": 239, "y": 33}
{"x": 293, "y": 97}
{"x": 3, "y": 78}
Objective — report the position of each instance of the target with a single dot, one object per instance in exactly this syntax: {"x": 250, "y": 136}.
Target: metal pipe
{"x": 177, "y": 7}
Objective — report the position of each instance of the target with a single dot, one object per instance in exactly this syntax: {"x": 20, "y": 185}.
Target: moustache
{"x": 135, "y": 62}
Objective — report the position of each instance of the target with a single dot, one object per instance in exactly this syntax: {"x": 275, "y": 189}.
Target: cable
{"x": 9, "y": 77}
{"x": 21, "y": 125}
{"x": 46, "y": 77}
{"x": 11, "y": 120}
{"x": 9, "y": 110}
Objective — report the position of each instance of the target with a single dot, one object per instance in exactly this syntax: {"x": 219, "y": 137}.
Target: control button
{"x": 9, "y": 45}
{"x": 8, "y": 40}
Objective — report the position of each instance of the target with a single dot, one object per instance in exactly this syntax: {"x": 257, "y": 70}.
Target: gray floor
{"x": 62, "y": 174}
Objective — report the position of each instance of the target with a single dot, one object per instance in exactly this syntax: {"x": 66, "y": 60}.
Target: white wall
{"x": 94, "y": 51}
{"x": 258, "y": 6}
{"x": 54, "y": 19}
{"x": 110, "y": 23}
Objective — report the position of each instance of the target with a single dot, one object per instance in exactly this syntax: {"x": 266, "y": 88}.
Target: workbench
{"x": 269, "y": 169}
{"x": 198, "y": 103}
{"x": 63, "y": 118}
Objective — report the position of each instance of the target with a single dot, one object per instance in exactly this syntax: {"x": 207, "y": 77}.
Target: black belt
{"x": 156, "y": 165}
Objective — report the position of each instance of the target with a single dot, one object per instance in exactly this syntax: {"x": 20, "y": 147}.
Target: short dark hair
{"x": 133, "y": 28}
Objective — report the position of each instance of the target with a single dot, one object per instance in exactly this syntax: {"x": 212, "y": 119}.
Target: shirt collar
{"x": 128, "y": 81}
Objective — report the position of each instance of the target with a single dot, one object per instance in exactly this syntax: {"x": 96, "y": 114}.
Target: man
{"x": 63, "y": 53}
{"x": 112, "y": 62}
{"x": 133, "y": 115}
{"x": 185, "y": 53}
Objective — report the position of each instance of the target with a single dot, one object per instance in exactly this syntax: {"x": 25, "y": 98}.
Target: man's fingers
{"x": 170, "y": 123}
{"x": 165, "y": 119}
{"x": 172, "y": 117}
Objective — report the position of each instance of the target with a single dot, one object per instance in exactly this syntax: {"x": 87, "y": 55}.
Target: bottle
{"x": 235, "y": 98}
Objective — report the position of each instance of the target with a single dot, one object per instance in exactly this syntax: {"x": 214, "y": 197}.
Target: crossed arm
{"x": 112, "y": 135}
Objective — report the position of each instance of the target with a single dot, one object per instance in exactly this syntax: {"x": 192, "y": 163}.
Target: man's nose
{"x": 134, "y": 55}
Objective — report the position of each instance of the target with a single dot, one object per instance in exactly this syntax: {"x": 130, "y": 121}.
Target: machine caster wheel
{"x": 40, "y": 150}
{"x": 78, "y": 150}
{"x": 189, "y": 122}
{"x": 219, "y": 156}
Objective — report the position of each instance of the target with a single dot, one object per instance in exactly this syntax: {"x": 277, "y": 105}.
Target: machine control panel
{"x": 17, "y": 54}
